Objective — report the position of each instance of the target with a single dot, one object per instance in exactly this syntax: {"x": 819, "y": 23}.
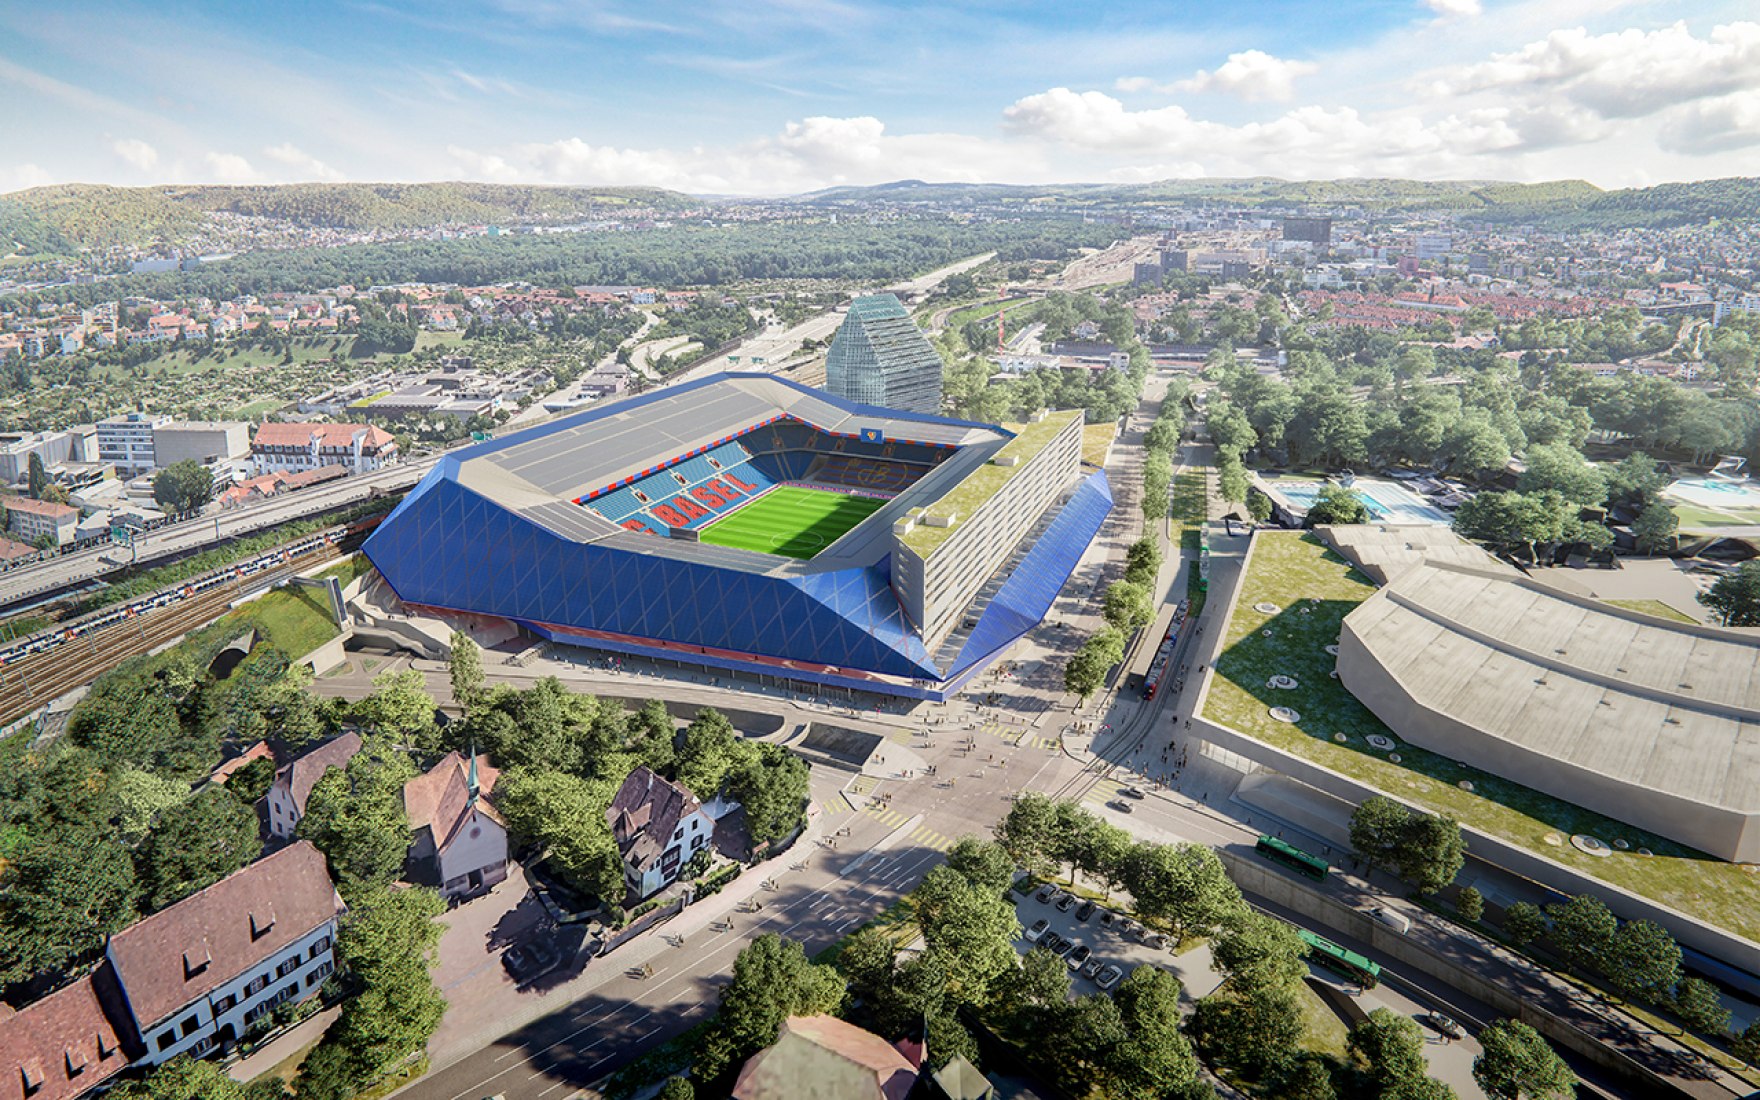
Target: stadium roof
{"x": 540, "y": 472}
{"x": 1382, "y": 551}
{"x": 1672, "y": 708}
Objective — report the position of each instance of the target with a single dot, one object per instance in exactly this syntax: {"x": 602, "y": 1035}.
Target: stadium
{"x": 749, "y": 523}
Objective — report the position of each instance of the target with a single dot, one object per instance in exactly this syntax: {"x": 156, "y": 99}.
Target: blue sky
{"x": 779, "y": 96}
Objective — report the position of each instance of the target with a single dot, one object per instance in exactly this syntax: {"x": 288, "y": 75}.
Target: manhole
{"x": 1381, "y": 742}
{"x": 1645, "y": 852}
{"x": 1285, "y": 714}
{"x": 1466, "y": 785}
{"x": 1393, "y": 757}
{"x": 1341, "y": 738}
{"x": 1621, "y": 843}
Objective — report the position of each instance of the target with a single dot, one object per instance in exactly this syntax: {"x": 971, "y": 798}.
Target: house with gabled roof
{"x": 824, "y": 1058}
{"x": 658, "y": 826}
{"x": 196, "y": 975}
{"x": 62, "y": 1045}
{"x": 286, "y": 800}
{"x": 459, "y": 840}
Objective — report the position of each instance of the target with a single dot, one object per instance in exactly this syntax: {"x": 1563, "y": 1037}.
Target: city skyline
{"x": 785, "y": 96}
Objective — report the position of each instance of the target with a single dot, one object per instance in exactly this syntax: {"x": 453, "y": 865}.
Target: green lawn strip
{"x": 349, "y": 569}
{"x": 1656, "y": 608}
{"x": 1695, "y": 516}
{"x": 294, "y": 620}
{"x": 791, "y": 521}
{"x": 897, "y": 921}
{"x": 1288, "y": 569}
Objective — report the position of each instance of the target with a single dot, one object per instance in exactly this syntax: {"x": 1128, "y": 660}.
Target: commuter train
{"x": 1164, "y": 653}
{"x": 62, "y": 633}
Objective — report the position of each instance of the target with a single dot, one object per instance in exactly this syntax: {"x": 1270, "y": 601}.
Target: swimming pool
{"x": 1712, "y": 492}
{"x": 1386, "y": 501}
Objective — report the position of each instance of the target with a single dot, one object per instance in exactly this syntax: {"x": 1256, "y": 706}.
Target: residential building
{"x": 31, "y": 520}
{"x": 880, "y": 357}
{"x": 63, "y": 1045}
{"x": 460, "y": 840}
{"x": 1312, "y": 230}
{"x": 197, "y": 975}
{"x": 824, "y": 1058}
{"x": 294, "y": 447}
{"x": 254, "y": 489}
{"x": 294, "y": 782}
{"x": 658, "y": 826}
{"x": 126, "y": 441}
{"x": 200, "y": 441}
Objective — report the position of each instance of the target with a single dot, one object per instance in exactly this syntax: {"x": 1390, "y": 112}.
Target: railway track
{"x": 39, "y": 679}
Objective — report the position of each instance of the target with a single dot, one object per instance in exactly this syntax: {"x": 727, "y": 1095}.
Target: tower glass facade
{"x": 880, "y": 357}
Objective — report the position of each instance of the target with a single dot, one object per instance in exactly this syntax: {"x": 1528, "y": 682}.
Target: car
{"x": 1050, "y": 941}
{"x": 1046, "y": 893}
{"x": 1130, "y": 929}
{"x": 1039, "y": 928}
{"x": 525, "y": 962}
{"x": 1442, "y": 1025}
{"x": 1120, "y": 805}
{"x": 1392, "y": 918}
{"x": 1134, "y": 792}
{"x": 1085, "y": 910}
{"x": 1066, "y": 903}
{"x": 1107, "y": 916}
{"x": 1108, "y": 976}
{"x": 1063, "y": 948}
{"x": 1076, "y": 958}
{"x": 1155, "y": 940}
{"x": 1092, "y": 966}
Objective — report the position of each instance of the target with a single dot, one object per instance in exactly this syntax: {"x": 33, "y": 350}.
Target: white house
{"x": 196, "y": 975}
{"x": 658, "y": 826}
{"x": 294, "y": 782}
{"x": 290, "y": 448}
{"x": 459, "y": 841}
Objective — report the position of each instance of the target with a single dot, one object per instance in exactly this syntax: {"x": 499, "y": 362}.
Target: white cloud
{"x": 136, "y": 153}
{"x": 1456, "y": 9}
{"x": 1253, "y": 75}
{"x": 305, "y": 166}
{"x": 1714, "y": 125}
{"x": 22, "y": 177}
{"x": 229, "y": 168}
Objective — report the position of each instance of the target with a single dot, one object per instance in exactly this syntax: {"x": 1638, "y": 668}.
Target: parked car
{"x": 1066, "y": 903}
{"x": 1092, "y": 966}
{"x": 1393, "y": 918}
{"x": 1130, "y": 929}
{"x": 1076, "y": 958}
{"x": 1107, "y": 916}
{"x": 1039, "y": 928}
{"x": 1442, "y": 1025}
{"x": 525, "y": 962}
{"x": 1155, "y": 940}
{"x": 1050, "y": 941}
{"x": 1063, "y": 948}
{"x": 1108, "y": 977}
{"x": 1046, "y": 893}
{"x": 1085, "y": 910}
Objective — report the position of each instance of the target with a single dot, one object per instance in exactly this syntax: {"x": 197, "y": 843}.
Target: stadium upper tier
{"x": 1648, "y": 721}
{"x": 591, "y": 530}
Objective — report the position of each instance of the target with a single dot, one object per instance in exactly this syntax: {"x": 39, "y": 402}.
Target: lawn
{"x": 792, "y": 521}
{"x": 295, "y": 619}
{"x": 1315, "y": 589}
{"x": 1656, "y": 608}
{"x": 1096, "y": 438}
{"x": 1693, "y": 516}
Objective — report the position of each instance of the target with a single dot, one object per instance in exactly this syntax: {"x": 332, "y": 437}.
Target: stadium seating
{"x": 879, "y": 475}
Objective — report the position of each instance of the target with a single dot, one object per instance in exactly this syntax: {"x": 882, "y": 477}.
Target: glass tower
{"x": 880, "y": 357}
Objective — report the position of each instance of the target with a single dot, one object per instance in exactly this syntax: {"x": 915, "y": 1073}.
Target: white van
{"x": 1394, "y": 919}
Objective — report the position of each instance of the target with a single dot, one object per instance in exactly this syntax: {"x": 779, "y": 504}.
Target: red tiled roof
{"x": 258, "y": 751}
{"x": 59, "y": 1046}
{"x": 299, "y": 776}
{"x": 171, "y": 958}
{"x": 325, "y": 435}
{"x": 40, "y": 507}
{"x": 823, "y": 1058}
{"x": 12, "y": 548}
{"x": 440, "y": 797}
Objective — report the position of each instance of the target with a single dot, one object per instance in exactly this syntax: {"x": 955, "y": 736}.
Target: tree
{"x": 465, "y": 666}
{"x": 1305, "y": 1077}
{"x": 1142, "y": 561}
{"x": 772, "y": 980}
{"x": 1087, "y": 670}
{"x": 653, "y": 735}
{"x": 1042, "y": 983}
{"x": 1655, "y": 528}
{"x": 1471, "y": 904}
{"x": 1391, "y": 1045}
{"x": 1524, "y": 923}
{"x": 195, "y": 844}
{"x": 399, "y": 706}
{"x": 1258, "y": 951}
{"x": 1518, "y": 1064}
{"x": 143, "y": 797}
{"x": 1378, "y": 827}
{"x": 771, "y": 785}
{"x": 1420, "y": 1088}
{"x": 1183, "y": 885}
{"x": 1699, "y": 1006}
{"x": 1560, "y": 467}
{"x": 62, "y": 893}
{"x": 1232, "y": 481}
{"x": 1514, "y": 520}
{"x": 970, "y": 929}
{"x": 678, "y": 1088}
{"x": 985, "y": 865}
{"x": 252, "y": 781}
{"x": 186, "y": 1078}
{"x": 355, "y": 816}
{"x": 1634, "y": 480}
{"x": 1736, "y": 596}
{"x": 1583, "y": 928}
{"x": 1747, "y": 1044}
{"x": 1081, "y": 1035}
{"x": 1643, "y": 961}
{"x": 1027, "y": 833}
{"x": 1258, "y": 506}
{"x": 565, "y": 814}
{"x": 948, "y": 1038}
{"x": 1126, "y": 606}
{"x": 36, "y": 477}
{"x": 183, "y": 486}
{"x": 1253, "y": 1027}
{"x": 709, "y": 751}
{"x": 1155, "y": 1059}
{"x": 1431, "y": 851}
{"x": 1336, "y": 504}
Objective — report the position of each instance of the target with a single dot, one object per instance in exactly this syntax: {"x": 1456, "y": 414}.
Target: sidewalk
{"x": 304, "y": 1034}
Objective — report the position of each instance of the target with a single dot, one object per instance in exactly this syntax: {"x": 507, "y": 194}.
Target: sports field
{"x": 791, "y": 521}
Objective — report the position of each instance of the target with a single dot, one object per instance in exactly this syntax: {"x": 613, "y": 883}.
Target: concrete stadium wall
{"x": 1690, "y": 931}
{"x": 1725, "y": 833}
{"x": 1255, "y": 878}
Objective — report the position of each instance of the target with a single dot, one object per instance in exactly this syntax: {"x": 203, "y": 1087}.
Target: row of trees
{"x": 1128, "y": 606}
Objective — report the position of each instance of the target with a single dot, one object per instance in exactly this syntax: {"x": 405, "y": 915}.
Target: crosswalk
{"x": 921, "y": 836}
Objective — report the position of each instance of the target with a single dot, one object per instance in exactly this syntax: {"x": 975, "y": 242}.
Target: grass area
{"x": 1691, "y": 515}
{"x": 349, "y": 569}
{"x": 1096, "y": 438}
{"x": 1322, "y": 1031}
{"x": 792, "y": 521}
{"x": 1315, "y": 588}
{"x": 987, "y": 480}
{"x": 294, "y": 619}
{"x": 1656, "y": 608}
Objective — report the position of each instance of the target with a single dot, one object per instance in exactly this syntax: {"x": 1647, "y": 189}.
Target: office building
{"x": 126, "y": 441}
{"x": 880, "y": 357}
{"x": 200, "y": 441}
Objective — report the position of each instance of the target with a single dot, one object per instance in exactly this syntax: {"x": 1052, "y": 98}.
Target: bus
{"x": 1346, "y": 964}
{"x": 1294, "y": 858}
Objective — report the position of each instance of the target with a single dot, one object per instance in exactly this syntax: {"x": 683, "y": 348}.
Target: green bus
{"x": 1294, "y": 858}
{"x": 1347, "y": 964}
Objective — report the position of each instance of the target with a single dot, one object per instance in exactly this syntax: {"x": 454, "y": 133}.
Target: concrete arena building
{"x": 590, "y": 531}
{"x": 1649, "y": 722}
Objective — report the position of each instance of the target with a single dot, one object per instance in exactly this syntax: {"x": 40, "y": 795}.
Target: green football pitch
{"x": 791, "y": 521}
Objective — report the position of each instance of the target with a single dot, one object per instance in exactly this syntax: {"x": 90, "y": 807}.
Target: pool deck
{"x": 1388, "y": 501}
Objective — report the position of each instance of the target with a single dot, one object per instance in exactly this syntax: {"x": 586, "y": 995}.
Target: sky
{"x": 765, "y": 97}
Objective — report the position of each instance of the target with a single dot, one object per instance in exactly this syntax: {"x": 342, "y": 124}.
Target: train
{"x": 45, "y": 640}
{"x": 1165, "y": 651}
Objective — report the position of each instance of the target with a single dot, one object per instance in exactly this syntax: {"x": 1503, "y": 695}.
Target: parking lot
{"x": 1109, "y": 942}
